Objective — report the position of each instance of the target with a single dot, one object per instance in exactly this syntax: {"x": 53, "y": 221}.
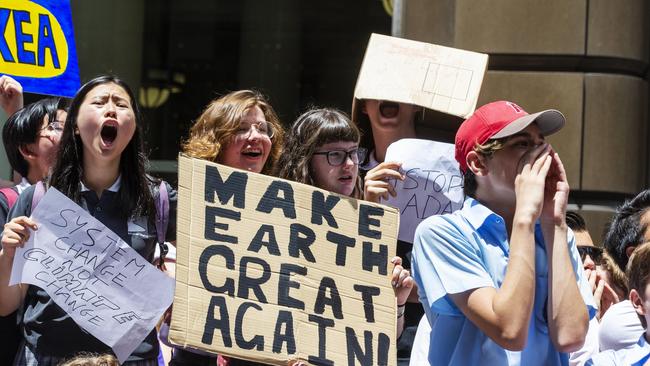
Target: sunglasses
{"x": 595, "y": 253}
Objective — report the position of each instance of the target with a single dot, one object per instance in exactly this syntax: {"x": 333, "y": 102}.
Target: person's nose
{"x": 254, "y": 134}
{"x": 110, "y": 110}
{"x": 589, "y": 263}
{"x": 348, "y": 163}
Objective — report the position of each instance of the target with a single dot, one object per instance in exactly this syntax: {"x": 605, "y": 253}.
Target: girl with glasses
{"x": 240, "y": 130}
{"x": 322, "y": 150}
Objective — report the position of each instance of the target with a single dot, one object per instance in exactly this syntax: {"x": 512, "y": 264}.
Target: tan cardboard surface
{"x": 444, "y": 81}
{"x": 290, "y": 316}
{"x": 440, "y": 78}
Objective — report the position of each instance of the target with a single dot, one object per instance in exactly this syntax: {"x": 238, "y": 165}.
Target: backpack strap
{"x": 162, "y": 221}
{"x": 11, "y": 195}
{"x": 39, "y": 192}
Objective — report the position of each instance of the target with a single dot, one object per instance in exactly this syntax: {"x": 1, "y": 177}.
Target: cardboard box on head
{"x": 444, "y": 81}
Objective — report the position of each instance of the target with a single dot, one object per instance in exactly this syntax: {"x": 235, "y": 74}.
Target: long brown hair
{"x": 218, "y": 123}
{"x": 313, "y": 129}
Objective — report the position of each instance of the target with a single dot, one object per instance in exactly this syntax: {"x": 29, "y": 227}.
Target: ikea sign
{"x": 37, "y": 46}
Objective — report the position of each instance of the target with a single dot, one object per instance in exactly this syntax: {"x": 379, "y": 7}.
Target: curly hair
{"x": 218, "y": 124}
{"x": 313, "y": 129}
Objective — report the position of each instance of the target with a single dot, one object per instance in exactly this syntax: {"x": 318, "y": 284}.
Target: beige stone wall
{"x": 583, "y": 57}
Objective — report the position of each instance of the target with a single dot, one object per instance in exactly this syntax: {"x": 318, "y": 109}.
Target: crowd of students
{"x": 502, "y": 281}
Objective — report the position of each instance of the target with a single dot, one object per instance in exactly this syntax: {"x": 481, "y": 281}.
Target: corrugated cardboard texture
{"x": 253, "y": 330}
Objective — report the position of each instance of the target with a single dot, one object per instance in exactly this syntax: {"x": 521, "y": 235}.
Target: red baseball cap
{"x": 501, "y": 119}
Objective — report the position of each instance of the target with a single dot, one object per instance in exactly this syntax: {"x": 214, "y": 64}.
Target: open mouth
{"x": 345, "y": 178}
{"x": 252, "y": 153}
{"x": 389, "y": 109}
{"x": 109, "y": 133}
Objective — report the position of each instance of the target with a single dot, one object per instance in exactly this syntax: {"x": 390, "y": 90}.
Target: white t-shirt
{"x": 620, "y": 327}
{"x": 590, "y": 347}
{"x": 637, "y": 354}
{"x": 420, "y": 350}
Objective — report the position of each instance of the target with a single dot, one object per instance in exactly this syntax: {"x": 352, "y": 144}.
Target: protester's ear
{"x": 27, "y": 152}
{"x": 629, "y": 250}
{"x": 476, "y": 163}
{"x": 637, "y": 302}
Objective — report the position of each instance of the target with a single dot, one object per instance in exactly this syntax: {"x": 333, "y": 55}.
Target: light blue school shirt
{"x": 468, "y": 249}
{"x": 636, "y": 355}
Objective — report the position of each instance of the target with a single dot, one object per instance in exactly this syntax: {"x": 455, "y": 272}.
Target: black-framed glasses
{"x": 264, "y": 128}
{"x": 339, "y": 157}
{"x": 54, "y": 127}
{"x": 595, "y": 253}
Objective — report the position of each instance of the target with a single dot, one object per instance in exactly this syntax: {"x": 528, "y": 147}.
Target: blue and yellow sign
{"x": 37, "y": 46}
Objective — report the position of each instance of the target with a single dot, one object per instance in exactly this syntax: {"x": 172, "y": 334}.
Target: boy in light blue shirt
{"x": 502, "y": 277}
{"x": 638, "y": 281}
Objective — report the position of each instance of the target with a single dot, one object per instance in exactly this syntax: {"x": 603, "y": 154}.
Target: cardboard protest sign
{"x": 104, "y": 285}
{"x": 270, "y": 270}
{"x": 433, "y": 182}
{"x": 444, "y": 81}
{"x": 37, "y": 46}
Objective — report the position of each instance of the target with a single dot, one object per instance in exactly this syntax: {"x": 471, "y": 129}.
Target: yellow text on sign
{"x": 33, "y": 43}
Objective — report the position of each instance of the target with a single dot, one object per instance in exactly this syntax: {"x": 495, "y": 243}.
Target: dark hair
{"x": 313, "y": 129}
{"x": 469, "y": 183}
{"x": 134, "y": 195}
{"x": 575, "y": 222}
{"x": 22, "y": 129}
{"x": 626, "y": 228}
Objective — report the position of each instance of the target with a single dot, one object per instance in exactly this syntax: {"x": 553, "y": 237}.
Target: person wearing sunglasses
{"x": 323, "y": 150}
{"x": 592, "y": 257}
{"x": 603, "y": 291}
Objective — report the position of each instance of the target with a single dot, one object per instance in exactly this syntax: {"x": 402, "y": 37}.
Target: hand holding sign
{"x": 401, "y": 280}
{"x": 432, "y": 182}
{"x": 16, "y": 233}
{"x": 274, "y": 271}
{"x": 376, "y": 186}
{"x": 104, "y": 285}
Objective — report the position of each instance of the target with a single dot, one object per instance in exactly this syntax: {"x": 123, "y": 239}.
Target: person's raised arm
{"x": 503, "y": 314}
{"x": 11, "y": 95}
{"x": 15, "y": 234}
{"x": 567, "y": 313}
